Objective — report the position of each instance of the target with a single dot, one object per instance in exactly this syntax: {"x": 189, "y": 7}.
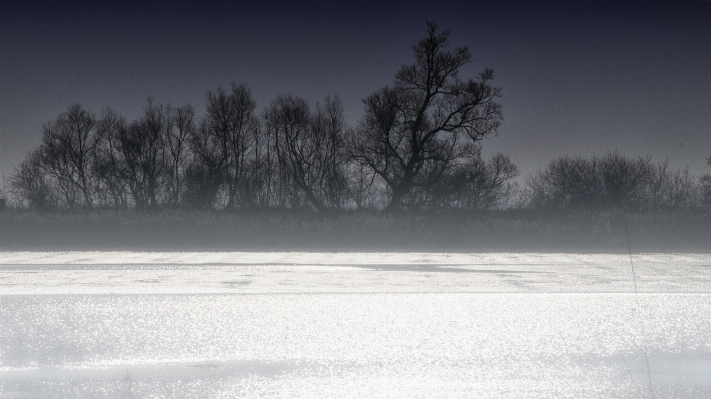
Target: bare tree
{"x": 429, "y": 121}
{"x": 230, "y": 118}
{"x": 328, "y": 127}
{"x": 706, "y": 186}
{"x": 29, "y": 185}
{"x": 614, "y": 182}
{"x": 570, "y": 183}
{"x": 287, "y": 121}
{"x": 256, "y": 183}
{"x": 67, "y": 149}
{"x": 107, "y": 167}
{"x": 624, "y": 180}
{"x": 182, "y": 127}
{"x": 309, "y": 150}
{"x": 478, "y": 184}
{"x": 143, "y": 162}
{"x": 205, "y": 174}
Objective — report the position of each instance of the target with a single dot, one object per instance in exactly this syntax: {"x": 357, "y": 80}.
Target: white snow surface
{"x": 354, "y": 325}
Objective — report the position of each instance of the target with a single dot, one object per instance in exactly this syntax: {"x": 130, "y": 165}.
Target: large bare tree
{"x": 67, "y": 149}
{"x": 428, "y": 122}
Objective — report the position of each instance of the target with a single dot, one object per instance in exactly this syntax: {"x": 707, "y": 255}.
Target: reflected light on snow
{"x": 352, "y": 325}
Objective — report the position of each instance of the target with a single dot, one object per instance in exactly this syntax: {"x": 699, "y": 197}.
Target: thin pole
{"x": 639, "y": 313}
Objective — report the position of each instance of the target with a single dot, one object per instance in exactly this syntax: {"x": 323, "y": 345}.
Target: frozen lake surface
{"x": 354, "y": 325}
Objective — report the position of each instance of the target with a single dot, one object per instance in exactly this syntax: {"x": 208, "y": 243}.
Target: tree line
{"x": 615, "y": 182}
{"x": 418, "y": 145}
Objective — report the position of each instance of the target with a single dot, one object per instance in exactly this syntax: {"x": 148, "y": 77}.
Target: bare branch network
{"x": 416, "y": 146}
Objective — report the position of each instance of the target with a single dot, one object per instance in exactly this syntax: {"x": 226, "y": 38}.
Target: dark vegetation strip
{"x": 409, "y": 176}
{"x": 457, "y": 231}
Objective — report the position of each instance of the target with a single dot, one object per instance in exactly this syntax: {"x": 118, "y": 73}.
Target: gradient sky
{"x": 578, "y": 77}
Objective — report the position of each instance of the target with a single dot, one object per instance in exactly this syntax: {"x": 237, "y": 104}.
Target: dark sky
{"x": 578, "y": 77}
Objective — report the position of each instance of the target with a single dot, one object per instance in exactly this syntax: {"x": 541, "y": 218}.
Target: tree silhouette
{"x": 30, "y": 185}
{"x": 429, "y": 122}
{"x": 613, "y": 183}
{"x": 108, "y": 160}
{"x": 308, "y": 149}
{"x": 67, "y": 149}
{"x": 230, "y": 119}
{"x": 417, "y": 145}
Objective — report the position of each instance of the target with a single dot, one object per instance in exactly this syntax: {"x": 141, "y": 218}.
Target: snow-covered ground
{"x": 300, "y": 325}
